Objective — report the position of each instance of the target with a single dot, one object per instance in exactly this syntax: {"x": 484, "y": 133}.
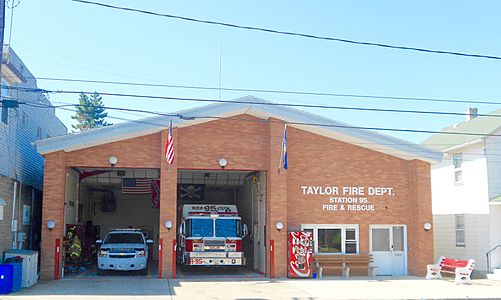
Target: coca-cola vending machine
{"x": 300, "y": 254}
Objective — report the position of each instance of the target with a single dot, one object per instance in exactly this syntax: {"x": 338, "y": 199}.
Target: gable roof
{"x": 482, "y": 126}
{"x": 250, "y": 105}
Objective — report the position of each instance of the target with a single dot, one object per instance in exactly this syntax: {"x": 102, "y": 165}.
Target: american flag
{"x": 136, "y": 186}
{"x": 169, "y": 147}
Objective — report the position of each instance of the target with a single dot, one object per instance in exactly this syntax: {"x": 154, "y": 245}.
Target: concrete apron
{"x": 138, "y": 287}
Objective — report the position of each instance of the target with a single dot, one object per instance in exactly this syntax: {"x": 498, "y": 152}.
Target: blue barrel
{"x": 17, "y": 276}
{"x": 6, "y": 273}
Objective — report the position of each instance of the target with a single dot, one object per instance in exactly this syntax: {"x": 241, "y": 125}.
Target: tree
{"x": 90, "y": 112}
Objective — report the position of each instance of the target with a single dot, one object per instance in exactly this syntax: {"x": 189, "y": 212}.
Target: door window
{"x": 398, "y": 238}
{"x": 380, "y": 239}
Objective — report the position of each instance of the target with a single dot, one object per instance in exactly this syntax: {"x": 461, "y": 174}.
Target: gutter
{"x": 478, "y": 141}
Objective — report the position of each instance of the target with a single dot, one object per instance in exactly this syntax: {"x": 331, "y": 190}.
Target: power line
{"x": 37, "y": 90}
{"x": 271, "y": 91}
{"x": 289, "y": 33}
{"x": 187, "y": 116}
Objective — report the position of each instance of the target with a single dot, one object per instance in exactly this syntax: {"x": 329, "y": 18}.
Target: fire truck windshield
{"x": 199, "y": 228}
{"x": 228, "y": 228}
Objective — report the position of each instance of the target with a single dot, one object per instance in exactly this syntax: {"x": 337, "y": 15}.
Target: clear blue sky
{"x": 61, "y": 38}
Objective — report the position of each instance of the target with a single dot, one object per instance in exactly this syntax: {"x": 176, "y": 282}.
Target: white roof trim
{"x": 360, "y": 137}
{"x": 456, "y": 147}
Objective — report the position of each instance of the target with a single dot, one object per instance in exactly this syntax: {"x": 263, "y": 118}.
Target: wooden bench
{"x": 330, "y": 261}
{"x": 462, "y": 269}
{"x": 360, "y": 261}
{"x": 344, "y": 262}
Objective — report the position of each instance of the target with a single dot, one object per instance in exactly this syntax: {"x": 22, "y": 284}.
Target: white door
{"x": 388, "y": 246}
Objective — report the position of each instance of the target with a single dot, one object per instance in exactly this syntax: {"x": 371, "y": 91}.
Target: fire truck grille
{"x": 214, "y": 243}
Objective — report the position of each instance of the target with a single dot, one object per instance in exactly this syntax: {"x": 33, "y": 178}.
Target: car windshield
{"x": 124, "y": 238}
{"x": 199, "y": 228}
{"x": 228, "y": 228}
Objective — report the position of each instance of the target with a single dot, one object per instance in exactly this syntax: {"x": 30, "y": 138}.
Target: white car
{"x": 123, "y": 250}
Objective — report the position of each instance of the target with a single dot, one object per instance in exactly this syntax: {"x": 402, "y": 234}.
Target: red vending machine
{"x": 300, "y": 254}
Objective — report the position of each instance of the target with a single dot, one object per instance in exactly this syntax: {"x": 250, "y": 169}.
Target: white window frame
{"x": 456, "y": 230}
{"x": 343, "y": 227}
{"x": 458, "y": 169}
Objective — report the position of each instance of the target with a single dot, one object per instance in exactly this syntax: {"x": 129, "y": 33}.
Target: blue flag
{"x": 284, "y": 149}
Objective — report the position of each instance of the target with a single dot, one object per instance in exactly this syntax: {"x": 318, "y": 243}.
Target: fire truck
{"x": 211, "y": 235}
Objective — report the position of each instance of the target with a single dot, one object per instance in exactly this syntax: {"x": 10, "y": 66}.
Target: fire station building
{"x": 356, "y": 191}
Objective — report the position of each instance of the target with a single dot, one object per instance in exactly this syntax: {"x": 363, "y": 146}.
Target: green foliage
{"x": 90, "y": 113}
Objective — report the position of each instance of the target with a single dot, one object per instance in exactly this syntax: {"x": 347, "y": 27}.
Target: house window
{"x": 460, "y": 241}
{"x": 331, "y": 238}
{"x": 25, "y": 118}
{"x": 5, "y": 89}
{"x": 39, "y": 132}
{"x": 457, "y": 160}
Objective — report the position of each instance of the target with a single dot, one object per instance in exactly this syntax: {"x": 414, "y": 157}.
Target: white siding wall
{"x": 469, "y": 197}
{"x": 476, "y": 238}
{"x": 493, "y": 155}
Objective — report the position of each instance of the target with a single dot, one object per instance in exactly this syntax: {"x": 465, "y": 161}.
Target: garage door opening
{"x": 98, "y": 201}
{"x": 221, "y": 223}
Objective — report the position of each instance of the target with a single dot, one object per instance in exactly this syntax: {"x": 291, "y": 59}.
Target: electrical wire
{"x": 185, "y": 116}
{"x": 236, "y": 101}
{"x": 311, "y": 36}
{"x": 271, "y": 91}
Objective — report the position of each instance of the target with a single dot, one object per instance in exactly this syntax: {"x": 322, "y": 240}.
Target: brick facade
{"x": 248, "y": 143}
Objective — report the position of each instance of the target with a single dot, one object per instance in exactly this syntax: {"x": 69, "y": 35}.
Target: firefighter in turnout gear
{"x": 73, "y": 250}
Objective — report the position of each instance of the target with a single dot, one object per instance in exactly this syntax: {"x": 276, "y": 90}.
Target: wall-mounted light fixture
{"x": 51, "y": 224}
{"x": 279, "y": 226}
{"x": 113, "y": 160}
{"x": 222, "y": 163}
{"x": 427, "y": 226}
{"x": 168, "y": 225}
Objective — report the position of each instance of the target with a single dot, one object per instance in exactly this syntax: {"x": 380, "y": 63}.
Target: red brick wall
{"x": 249, "y": 143}
{"x": 140, "y": 152}
{"x": 319, "y": 161}
{"x": 242, "y": 141}
{"x": 53, "y": 209}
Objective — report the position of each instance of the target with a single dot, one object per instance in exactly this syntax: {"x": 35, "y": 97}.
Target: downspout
{"x": 32, "y": 217}
{"x": 14, "y": 221}
{"x": 20, "y": 243}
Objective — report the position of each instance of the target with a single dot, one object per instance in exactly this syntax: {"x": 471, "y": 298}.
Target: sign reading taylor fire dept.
{"x": 351, "y": 198}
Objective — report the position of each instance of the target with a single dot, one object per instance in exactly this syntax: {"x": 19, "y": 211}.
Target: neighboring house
{"x": 21, "y": 167}
{"x": 466, "y": 191}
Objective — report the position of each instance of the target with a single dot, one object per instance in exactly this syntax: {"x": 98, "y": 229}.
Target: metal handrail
{"x": 488, "y": 254}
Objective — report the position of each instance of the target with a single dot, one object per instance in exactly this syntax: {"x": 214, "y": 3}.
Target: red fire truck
{"x": 211, "y": 235}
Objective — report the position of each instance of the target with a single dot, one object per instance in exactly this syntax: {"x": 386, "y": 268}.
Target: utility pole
{"x": 5, "y": 109}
